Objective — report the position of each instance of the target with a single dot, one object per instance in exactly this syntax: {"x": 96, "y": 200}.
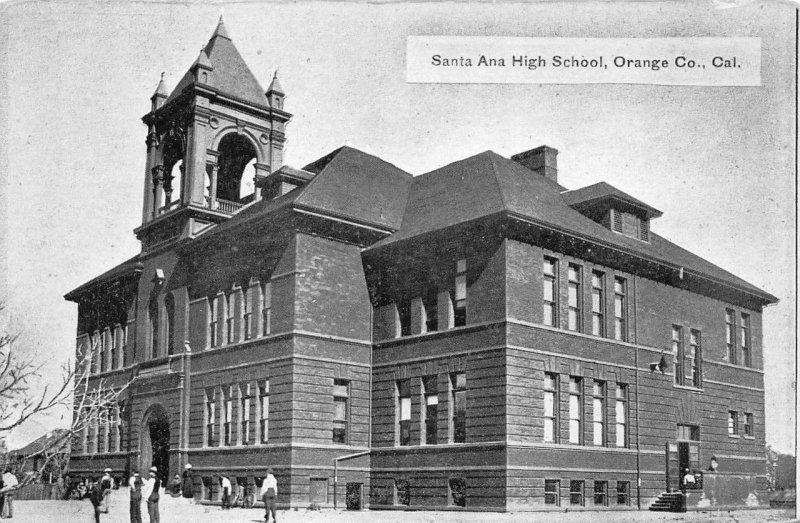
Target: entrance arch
{"x": 154, "y": 442}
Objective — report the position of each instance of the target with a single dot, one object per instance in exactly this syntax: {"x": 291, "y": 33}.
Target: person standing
{"x": 135, "y": 486}
{"x": 188, "y": 482}
{"x": 150, "y": 493}
{"x": 9, "y": 488}
{"x": 96, "y": 497}
{"x": 269, "y": 491}
{"x": 106, "y": 484}
{"x": 226, "y": 492}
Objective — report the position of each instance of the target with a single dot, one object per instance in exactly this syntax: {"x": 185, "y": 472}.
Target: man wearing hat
{"x": 188, "y": 482}
{"x": 150, "y": 493}
{"x": 135, "y": 486}
{"x": 106, "y": 484}
{"x": 269, "y": 493}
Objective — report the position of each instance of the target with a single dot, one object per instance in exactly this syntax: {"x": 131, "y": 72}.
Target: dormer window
{"x": 630, "y": 225}
{"x": 614, "y": 209}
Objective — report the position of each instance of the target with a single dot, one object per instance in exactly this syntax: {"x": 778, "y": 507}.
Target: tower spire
{"x": 160, "y": 95}
{"x": 220, "y": 30}
{"x": 275, "y": 85}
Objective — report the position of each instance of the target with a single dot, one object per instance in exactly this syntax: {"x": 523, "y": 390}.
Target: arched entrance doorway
{"x": 155, "y": 442}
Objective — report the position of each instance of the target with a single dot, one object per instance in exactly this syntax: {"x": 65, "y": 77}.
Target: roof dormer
{"x": 613, "y": 209}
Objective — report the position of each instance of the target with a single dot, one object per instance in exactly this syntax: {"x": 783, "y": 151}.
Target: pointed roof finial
{"x": 275, "y": 85}
{"x": 161, "y": 90}
{"x": 220, "y": 30}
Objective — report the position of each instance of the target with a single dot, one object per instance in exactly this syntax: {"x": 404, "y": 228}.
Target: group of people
{"x": 149, "y": 490}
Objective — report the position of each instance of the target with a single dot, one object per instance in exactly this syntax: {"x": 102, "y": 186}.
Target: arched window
{"x": 247, "y": 187}
{"x": 235, "y": 152}
{"x": 173, "y": 185}
{"x": 169, "y": 304}
{"x": 152, "y": 312}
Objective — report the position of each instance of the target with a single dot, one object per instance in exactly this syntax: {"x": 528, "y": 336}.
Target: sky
{"x": 76, "y": 78}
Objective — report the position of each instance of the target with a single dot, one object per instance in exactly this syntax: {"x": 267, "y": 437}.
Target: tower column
{"x": 157, "y": 177}
{"x": 147, "y": 205}
{"x": 213, "y": 168}
{"x": 196, "y": 154}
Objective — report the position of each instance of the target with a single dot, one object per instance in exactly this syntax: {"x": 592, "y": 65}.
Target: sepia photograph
{"x": 395, "y": 261}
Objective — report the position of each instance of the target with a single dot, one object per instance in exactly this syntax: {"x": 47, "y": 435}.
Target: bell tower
{"x": 208, "y": 144}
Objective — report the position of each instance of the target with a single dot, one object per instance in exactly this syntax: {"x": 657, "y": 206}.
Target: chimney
{"x": 541, "y": 160}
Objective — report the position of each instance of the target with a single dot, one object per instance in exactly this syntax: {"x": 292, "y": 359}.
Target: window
{"x": 402, "y": 492}
{"x": 552, "y": 493}
{"x": 460, "y": 302}
{"x": 118, "y": 409}
{"x": 459, "y": 407}
{"x": 574, "y": 296}
{"x": 211, "y": 416}
{"x": 551, "y": 408}
{"x": 623, "y": 492}
{"x": 598, "y": 304}
{"x": 458, "y": 492}
{"x": 114, "y": 349}
{"x": 678, "y": 353}
{"x": 601, "y": 493}
{"x": 404, "y": 411}
{"x": 228, "y": 414}
{"x": 248, "y": 313}
{"x": 599, "y": 413}
{"x": 404, "y": 313}
{"x": 695, "y": 376}
{"x": 213, "y": 325}
{"x": 631, "y": 225}
{"x": 94, "y": 351}
{"x": 230, "y": 327}
{"x": 744, "y": 329}
{"x": 688, "y": 432}
{"x": 340, "y": 412}
{"x": 576, "y": 492}
{"x": 430, "y": 390}
{"x": 733, "y": 423}
{"x": 153, "y": 316}
{"x": 550, "y": 270}
{"x": 620, "y": 309}
{"x": 169, "y": 304}
{"x": 621, "y": 421}
{"x": 244, "y": 413}
{"x": 748, "y": 424}
{"x": 266, "y": 311}
{"x": 126, "y": 358}
{"x": 730, "y": 338}
{"x": 575, "y": 410}
{"x": 263, "y": 404}
{"x": 430, "y": 304}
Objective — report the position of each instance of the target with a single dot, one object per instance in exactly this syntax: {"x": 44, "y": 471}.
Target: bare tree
{"x": 25, "y": 392}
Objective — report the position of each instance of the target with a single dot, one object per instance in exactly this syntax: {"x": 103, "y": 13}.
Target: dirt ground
{"x": 178, "y": 510}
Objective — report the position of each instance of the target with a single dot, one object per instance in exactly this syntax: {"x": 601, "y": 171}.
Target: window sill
{"x": 688, "y": 387}
{"x": 749, "y": 437}
{"x": 735, "y": 436}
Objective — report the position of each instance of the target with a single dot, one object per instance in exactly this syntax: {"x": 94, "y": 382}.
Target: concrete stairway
{"x": 668, "y": 502}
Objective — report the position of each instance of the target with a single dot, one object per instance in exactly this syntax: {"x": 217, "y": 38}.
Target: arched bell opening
{"x": 173, "y": 184}
{"x": 236, "y": 153}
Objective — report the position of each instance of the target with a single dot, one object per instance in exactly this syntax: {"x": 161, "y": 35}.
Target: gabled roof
{"x": 601, "y": 192}
{"x": 487, "y": 184}
{"x": 353, "y": 184}
{"x": 231, "y": 75}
